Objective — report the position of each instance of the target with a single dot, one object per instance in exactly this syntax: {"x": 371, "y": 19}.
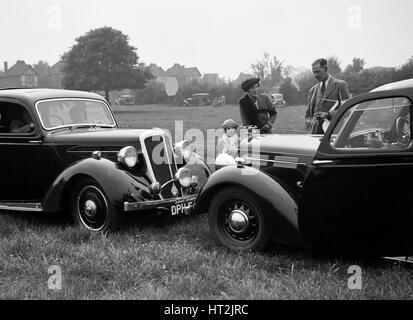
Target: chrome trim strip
{"x": 75, "y": 151}
{"x": 142, "y": 139}
{"x": 138, "y": 206}
{"x": 318, "y": 162}
{"x": 73, "y": 99}
{"x": 167, "y": 156}
{"x": 171, "y": 162}
{"x": 29, "y": 207}
{"x": 407, "y": 259}
{"x": 275, "y": 161}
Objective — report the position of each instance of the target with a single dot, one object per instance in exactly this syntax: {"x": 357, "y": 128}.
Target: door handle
{"x": 318, "y": 162}
{"x": 35, "y": 142}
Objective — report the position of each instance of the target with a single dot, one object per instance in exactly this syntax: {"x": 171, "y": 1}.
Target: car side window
{"x": 15, "y": 119}
{"x": 381, "y": 123}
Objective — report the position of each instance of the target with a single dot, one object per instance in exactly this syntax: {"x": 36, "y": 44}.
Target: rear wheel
{"x": 237, "y": 221}
{"x": 91, "y": 208}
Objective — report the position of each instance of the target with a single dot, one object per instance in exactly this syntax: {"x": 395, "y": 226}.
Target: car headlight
{"x": 184, "y": 176}
{"x": 128, "y": 156}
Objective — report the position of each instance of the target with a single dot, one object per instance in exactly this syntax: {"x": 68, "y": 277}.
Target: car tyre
{"x": 92, "y": 209}
{"x": 237, "y": 221}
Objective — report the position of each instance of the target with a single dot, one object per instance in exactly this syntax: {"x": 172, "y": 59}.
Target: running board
{"x": 28, "y": 207}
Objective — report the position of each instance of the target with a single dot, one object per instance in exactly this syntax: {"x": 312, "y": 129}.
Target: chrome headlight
{"x": 184, "y": 176}
{"x": 128, "y": 156}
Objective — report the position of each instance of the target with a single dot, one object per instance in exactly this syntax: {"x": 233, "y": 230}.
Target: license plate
{"x": 179, "y": 208}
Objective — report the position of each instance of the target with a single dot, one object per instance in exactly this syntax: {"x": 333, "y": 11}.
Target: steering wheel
{"x": 403, "y": 130}
{"x": 53, "y": 116}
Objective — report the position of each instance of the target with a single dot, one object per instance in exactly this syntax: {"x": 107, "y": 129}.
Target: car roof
{"x": 404, "y": 84}
{"x": 32, "y": 95}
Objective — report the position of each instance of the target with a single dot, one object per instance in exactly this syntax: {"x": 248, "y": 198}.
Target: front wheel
{"x": 237, "y": 221}
{"x": 91, "y": 208}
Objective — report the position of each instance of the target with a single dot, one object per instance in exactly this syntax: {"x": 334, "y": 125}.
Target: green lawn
{"x": 174, "y": 258}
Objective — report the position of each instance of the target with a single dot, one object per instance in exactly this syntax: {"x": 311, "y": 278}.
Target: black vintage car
{"x": 348, "y": 191}
{"x": 64, "y": 151}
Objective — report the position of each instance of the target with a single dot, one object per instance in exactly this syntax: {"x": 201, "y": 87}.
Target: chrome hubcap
{"x": 238, "y": 221}
{"x": 90, "y": 208}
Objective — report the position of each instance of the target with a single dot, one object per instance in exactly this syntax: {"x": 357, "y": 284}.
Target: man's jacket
{"x": 336, "y": 90}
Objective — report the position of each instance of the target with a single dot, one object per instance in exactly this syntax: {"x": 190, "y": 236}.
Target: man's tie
{"x": 323, "y": 88}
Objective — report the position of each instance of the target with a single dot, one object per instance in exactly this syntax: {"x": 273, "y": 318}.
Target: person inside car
{"x": 77, "y": 114}
{"x": 23, "y": 124}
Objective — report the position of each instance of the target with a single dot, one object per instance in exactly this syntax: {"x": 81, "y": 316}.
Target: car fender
{"x": 117, "y": 183}
{"x": 279, "y": 207}
{"x": 200, "y": 169}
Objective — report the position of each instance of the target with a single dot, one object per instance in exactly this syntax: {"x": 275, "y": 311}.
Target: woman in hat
{"x": 256, "y": 109}
{"x": 229, "y": 143}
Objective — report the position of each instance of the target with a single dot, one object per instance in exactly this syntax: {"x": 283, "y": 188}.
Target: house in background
{"x": 179, "y": 72}
{"x": 184, "y": 75}
{"x": 56, "y": 75}
{"x": 242, "y": 77}
{"x": 20, "y": 75}
{"x": 50, "y": 77}
{"x": 159, "y": 73}
{"x": 212, "y": 80}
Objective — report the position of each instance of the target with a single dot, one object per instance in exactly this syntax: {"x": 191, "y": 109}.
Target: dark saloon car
{"x": 64, "y": 151}
{"x": 347, "y": 191}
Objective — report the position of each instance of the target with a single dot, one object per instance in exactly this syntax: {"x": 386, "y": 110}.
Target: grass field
{"x": 174, "y": 258}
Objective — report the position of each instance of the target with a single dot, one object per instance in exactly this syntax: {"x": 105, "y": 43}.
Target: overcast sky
{"x": 217, "y": 36}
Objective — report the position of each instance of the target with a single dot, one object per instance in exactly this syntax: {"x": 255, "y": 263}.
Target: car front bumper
{"x": 185, "y": 205}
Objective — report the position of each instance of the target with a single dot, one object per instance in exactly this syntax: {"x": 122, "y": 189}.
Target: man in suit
{"x": 323, "y": 96}
{"x": 256, "y": 109}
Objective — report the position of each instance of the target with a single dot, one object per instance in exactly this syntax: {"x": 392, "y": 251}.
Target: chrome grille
{"x": 161, "y": 162}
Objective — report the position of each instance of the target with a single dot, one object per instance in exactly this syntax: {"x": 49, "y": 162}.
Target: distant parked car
{"x": 277, "y": 100}
{"x": 198, "y": 100}
{"x": 347, "y": 191}
{"x": 125, "y": 100}
{"x": 63, "y": 151}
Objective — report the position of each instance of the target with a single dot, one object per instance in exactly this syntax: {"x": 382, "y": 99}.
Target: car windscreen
{"x": 73, "y": 112}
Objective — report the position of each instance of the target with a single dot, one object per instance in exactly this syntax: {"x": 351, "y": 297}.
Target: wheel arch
{"x": 117, "y": 184}
{"x": 278, "y": 206}
{"x": 64, "y": 202}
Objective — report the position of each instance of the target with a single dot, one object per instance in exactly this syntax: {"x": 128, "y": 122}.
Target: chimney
{"x": 6, "y": 67}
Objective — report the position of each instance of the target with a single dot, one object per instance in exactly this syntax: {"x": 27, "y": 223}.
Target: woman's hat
{"x": 247, "y": 84}
{"x": 229, "y": 124}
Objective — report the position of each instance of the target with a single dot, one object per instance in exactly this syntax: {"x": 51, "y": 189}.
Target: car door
{"x": 357, "y": 196}
{"x": 27, "y": 166}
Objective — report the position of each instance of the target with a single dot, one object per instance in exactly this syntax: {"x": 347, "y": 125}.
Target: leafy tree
{"x": 356, "y": 67}
{"x": 305, "y": 80}
{"x": 290, "y": 92}
{"x": 42, "y": 67}
{"x": 334, "y": 67}
{"x": 270, "y": 70}
{"x": 102, "y": 59}
{"x": 405, "y": 71}
{"x": 153, "y": 93}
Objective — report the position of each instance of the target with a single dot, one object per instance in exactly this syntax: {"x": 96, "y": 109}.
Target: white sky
{"x": 217, "y": 36}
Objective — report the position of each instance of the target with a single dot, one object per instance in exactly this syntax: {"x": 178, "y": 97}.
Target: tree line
{"x": 103, "y": 60}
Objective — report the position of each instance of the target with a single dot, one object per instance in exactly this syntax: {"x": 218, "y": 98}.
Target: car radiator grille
{"x": 162, "y": 165}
